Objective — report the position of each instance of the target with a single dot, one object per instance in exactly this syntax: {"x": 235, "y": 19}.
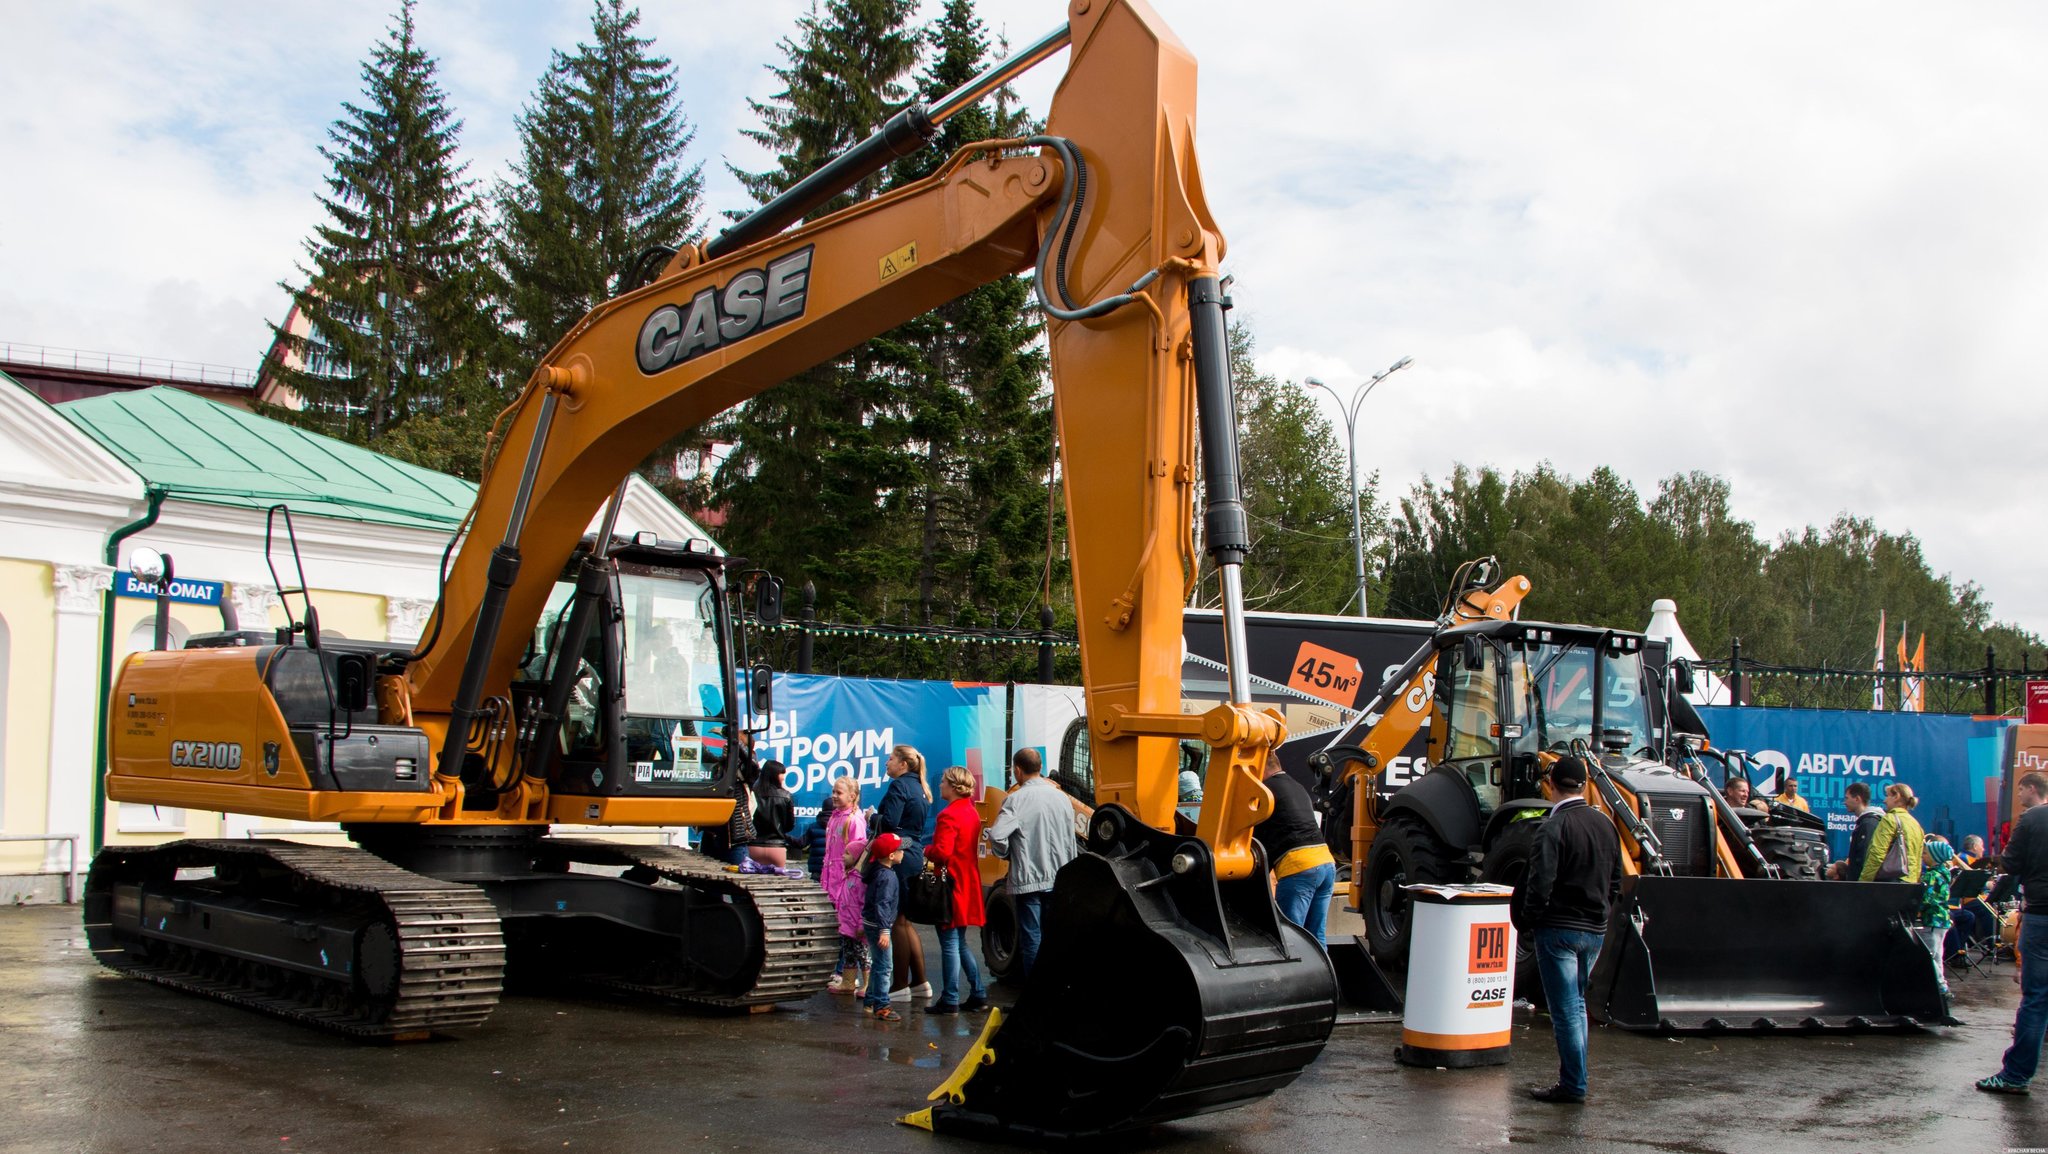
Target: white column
{"x": 74, "y": 710}
{"x": 405, "y": 618}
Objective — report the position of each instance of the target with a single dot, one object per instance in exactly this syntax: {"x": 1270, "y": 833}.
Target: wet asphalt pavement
{"x": 93, "y": 1062}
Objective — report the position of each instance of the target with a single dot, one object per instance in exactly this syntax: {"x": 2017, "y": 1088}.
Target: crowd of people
{"x": 867, "y": 858}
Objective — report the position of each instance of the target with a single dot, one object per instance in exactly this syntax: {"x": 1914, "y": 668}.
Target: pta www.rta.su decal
{"x": 752, "y": 301}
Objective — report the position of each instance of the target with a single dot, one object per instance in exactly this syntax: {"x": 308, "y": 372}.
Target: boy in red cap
{"x": 877, "y": 914}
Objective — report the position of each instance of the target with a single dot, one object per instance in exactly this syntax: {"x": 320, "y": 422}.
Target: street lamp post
{"x": 1351, "y": 454}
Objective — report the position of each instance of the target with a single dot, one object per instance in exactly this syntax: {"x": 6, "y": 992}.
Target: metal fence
{"x": 122, "y": 364}
{"x": 1989, "y": 691}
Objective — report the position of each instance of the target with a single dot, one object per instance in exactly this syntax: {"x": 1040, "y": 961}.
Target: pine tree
{"x": 600, "y": 179}
{"x": 819, "y": 461}
{"x": 395, "y": 321}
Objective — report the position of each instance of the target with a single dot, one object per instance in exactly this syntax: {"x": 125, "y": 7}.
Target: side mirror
{"x": 768, "y": 600}
{"x": 761, "y": 688}
{"x": 1473, "y": 653}
{"x": 1681, "y": 675}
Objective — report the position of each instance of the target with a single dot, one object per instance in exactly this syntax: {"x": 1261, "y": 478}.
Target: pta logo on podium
{"x": 1489, "y": 953}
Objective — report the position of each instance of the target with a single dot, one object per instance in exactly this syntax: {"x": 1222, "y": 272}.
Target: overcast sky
{"x": 1798, "y": 246}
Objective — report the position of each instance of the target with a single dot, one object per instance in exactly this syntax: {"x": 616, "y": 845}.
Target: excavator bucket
{"x": 1693, "y": 954}
{"x": 1159, "y": 992}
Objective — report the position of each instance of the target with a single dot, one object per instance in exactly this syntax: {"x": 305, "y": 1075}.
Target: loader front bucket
{"x": 1690, "y": 954}
{"x": 1159, "y": 992}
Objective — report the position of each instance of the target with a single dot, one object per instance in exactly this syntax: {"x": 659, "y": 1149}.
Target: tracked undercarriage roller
{"x": 1159, "y": 993}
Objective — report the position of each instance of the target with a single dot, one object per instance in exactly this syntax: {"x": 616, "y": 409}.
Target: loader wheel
{"x": 1507, "y": 864}
{"x": 999, "y": 932}
{"x": 1403, "y": 853}
{"x": 1799, "y": 854}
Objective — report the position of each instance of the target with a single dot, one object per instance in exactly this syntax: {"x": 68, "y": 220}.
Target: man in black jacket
{"x": 1856, "y": 799}
{"x": 1574, "y": 876}
{"x": 2026, "y": 858}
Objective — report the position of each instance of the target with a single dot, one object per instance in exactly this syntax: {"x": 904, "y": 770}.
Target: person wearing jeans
{"x": 1564, "y": 960}
{"x": 1304, "y": 873}
{"x": 1034, "y": 832}
{"x": 2026, "y": 856}
{"x": 1574, "y": 876}
{"x": 880, "y": 906}
{"x": 956, "y": 837}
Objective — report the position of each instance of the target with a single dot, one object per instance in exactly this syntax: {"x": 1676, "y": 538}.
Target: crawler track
{"x": 421, "y": 954}
{"x": 790, "y": 958}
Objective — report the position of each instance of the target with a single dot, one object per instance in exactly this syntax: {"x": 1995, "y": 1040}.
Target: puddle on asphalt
{"x": 902, "y": 1049}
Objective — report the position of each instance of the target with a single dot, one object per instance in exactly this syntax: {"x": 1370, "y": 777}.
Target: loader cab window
{"x": 1472, "y": 719}
{"x": 1562, "y": 682}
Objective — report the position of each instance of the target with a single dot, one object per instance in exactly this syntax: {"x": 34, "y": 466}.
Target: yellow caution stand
{"x": 1461, "y": 977}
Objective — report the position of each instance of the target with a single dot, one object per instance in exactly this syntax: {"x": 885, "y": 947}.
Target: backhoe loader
{"x": 1722, "y": 924}
{"x": 570, "y": 677}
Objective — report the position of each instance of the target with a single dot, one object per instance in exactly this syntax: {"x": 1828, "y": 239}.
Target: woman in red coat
{"x": 955, "y": 839}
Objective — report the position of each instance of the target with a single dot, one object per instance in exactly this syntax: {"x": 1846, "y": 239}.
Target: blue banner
{"x": 1951, "y": 762}
{"x": 827, "y": 727}
{"x": 126, "y": 584}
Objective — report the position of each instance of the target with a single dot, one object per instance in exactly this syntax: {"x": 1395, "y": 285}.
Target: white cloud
{"x": 1798, "y": 246}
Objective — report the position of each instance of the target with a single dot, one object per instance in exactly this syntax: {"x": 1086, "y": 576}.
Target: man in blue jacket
{"x": 1574, "y": 877}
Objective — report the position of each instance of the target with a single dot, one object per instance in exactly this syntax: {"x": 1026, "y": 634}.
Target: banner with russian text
{"x": 1950, "y": 761}
{"x": 826, "y": 727}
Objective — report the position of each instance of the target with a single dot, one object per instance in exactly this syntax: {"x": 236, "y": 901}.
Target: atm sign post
{"x": 126, "y": 584}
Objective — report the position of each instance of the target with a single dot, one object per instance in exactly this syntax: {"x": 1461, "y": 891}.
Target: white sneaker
{"x": 921, "y": 990}
{"x": 902, "y": 995}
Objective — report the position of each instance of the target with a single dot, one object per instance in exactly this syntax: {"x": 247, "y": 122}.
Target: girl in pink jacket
{"x": 846, "y": 835}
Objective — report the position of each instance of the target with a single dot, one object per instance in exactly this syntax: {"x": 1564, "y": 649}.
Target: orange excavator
{"x": 588, "y": 678}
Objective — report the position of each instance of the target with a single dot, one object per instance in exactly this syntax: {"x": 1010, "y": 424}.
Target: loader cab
{"x": 648, "y": 695}
{"x": 1509, "y": 690}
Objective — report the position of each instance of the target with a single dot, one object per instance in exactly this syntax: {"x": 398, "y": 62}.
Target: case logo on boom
{"x": 206, "y": 754}
{"x": 753, "y": 300}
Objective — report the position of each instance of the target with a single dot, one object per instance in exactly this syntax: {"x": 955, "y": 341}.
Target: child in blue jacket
{"x": 877, "y": 914}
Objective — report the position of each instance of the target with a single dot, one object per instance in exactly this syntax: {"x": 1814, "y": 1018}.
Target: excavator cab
{"x": 649, "y": 681}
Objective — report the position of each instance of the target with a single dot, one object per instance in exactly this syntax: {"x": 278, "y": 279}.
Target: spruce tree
{"x": 600, "y": 179}
{"x": 978, "y": 412}
{"x": 816, "y": 459}
{"x": 395, "y": 325}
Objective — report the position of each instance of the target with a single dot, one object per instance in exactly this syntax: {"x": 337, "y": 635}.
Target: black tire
{"x": 999, "y": 932}
{"x": 1405, "y": 852}
{"x": 1507, "y": 864}
{"x": 1799, "y": 854}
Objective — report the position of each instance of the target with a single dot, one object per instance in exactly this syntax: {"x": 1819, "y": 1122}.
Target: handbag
{"x": 1893, "y": 867}
{"x": 928, "y": 899}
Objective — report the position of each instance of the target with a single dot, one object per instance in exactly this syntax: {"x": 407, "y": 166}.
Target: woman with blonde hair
{"x": 905, "y": 810}
{"x": 956, "y": 839}
{"x": 1898, "y": 841}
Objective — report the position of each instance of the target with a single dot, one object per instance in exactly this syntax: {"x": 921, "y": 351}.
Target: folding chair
{"x": 1967, "y": 893}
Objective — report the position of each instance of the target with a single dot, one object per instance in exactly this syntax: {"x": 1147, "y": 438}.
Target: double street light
{"x": 1351, "y": 454}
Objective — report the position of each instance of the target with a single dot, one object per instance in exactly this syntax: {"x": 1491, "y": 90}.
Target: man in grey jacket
{"x": 1035, "y": 833}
